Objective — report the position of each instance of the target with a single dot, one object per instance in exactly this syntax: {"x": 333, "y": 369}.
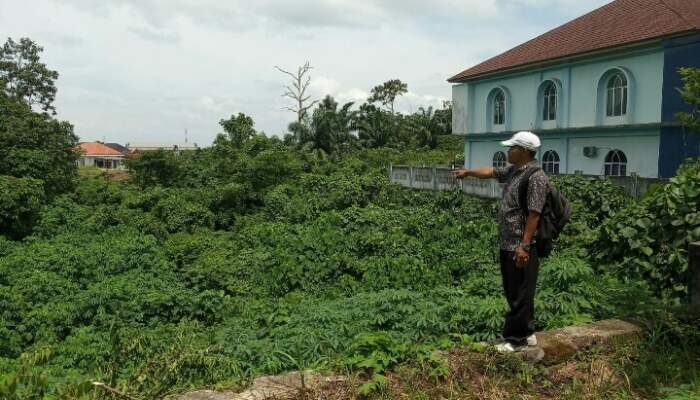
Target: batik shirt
{"x": 511, "y": 217}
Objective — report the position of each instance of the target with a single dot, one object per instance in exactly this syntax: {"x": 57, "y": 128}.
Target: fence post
{"x": 391, "y": 172}
{"x": 694, "y": 272}
{"x": 435, "y": 181}
{"x": 410, "y": 177}
{"x": 635, "y": 185}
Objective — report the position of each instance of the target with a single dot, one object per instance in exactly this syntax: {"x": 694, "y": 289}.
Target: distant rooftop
{"x": 92, "y": 149}
{"x": 159, "y": 146}
{"x": 118, "y": 147}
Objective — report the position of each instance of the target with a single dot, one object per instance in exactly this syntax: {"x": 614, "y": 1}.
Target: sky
{"x": 149, "y": 70}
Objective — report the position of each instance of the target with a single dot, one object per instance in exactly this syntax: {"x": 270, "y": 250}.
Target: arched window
{"x": 550, "y": 162}
{"x": 499, "y": 108}
{"x": 615, "y": 163}
{"x": 549, "y": 102}
{"x": 499, "y": 159}
{"x": 616, "y": 95}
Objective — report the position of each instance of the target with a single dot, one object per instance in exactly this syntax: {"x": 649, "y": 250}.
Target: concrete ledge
{"x": 277, "y": 387}
{"x": 558, "y": 345}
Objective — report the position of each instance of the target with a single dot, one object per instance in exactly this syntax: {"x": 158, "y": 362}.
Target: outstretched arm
{"x": 481, "y": 173}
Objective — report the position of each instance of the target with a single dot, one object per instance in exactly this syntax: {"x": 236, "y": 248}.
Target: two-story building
{"x": 600, "y": 91}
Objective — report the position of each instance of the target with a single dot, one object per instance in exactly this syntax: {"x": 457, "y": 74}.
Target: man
{"x": 517, "y": 227}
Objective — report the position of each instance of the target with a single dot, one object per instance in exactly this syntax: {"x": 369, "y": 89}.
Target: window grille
{"x": 616, "y": 95}
{"x": 499, "y": 108}
{"x": 549, "y": 102}
{"x": 499, "y": 159}
{"x": 550, "y": 162}
{"x": 615, "y": 163}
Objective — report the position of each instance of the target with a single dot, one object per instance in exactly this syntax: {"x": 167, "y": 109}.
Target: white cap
{"x": 524, "y": 139}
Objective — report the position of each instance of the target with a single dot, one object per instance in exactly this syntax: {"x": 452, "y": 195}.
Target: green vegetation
{"x": 37, "y": 158}
{"x": 229, "y": 269}
{"x": 258, "y": 256}
{"x": 690, "y": 92}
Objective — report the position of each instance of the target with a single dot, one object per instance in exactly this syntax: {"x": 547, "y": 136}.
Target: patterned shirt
{"x": 511, "y": 217}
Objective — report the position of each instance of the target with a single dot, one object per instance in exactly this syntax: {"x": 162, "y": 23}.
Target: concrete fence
{"x": 440, "y": 178}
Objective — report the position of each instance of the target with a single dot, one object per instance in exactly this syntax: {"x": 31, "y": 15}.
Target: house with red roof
{"x": 600, "y": 91}
{"x": 96, "y": 154}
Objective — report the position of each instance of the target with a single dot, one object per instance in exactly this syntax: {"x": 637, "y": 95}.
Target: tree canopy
{"x": 690, "y": 92}
{"x": 24, "y": 76}
{"x": 239, "y": 128}
{"x": 387, "y": 92}
{"x": 37, "y": 151}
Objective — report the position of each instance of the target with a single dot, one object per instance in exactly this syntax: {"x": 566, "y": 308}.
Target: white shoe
{"x": 532, "y": 340}
{"x": 506, "y": 348}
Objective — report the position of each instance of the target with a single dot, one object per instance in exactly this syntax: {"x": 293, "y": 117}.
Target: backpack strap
{"x": 522, "y": 188}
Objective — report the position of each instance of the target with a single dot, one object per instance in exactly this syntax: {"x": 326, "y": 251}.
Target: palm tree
{"x": 374, "y": 126}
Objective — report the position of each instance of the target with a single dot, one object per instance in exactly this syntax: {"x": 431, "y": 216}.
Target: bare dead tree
{"x": 297, "y": 90}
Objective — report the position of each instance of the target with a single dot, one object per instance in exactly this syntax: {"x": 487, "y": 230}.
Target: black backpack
{"x": 555, "y": 214}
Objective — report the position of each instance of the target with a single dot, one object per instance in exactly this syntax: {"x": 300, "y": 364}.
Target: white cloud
{"x": 411, "y": 101}
{"x": 148, "y": 69}
{"x": 323, "y": 85}
{"x": 353, "y": 95}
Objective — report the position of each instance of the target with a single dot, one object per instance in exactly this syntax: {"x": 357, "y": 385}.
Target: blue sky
{"x": 146, "y": 70}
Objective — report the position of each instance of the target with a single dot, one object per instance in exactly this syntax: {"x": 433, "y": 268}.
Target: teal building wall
{"x": 581, "y": 119}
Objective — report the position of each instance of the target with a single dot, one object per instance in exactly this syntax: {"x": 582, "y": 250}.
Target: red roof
{"x": 97, "y": 149}
{"x": 621, "y": 22}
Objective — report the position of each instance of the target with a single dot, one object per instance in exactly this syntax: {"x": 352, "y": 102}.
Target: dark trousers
{"x": 519, "y": 286}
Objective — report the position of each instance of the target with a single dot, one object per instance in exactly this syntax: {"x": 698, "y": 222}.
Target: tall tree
{"x": 35, "y": 145}
{"x": 297, "y": 91}
{"x": 24, "y": 76}
{"x": 690, "y": 92}
{"x": 239, "y": 128}
{"x": 331, "y": 126}
{"x": 387, "y": 92}
{"x": 374, "y": 125}
{"x": 158, "y": 167}
{"x": 443, "y": 118}
{"x": 424, "y": 128}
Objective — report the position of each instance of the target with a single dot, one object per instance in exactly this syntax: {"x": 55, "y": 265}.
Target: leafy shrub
{"x": 649, "y": 239}
{"x": 179, "y": 214}
{"x": 97, "y": 190}
{"x": 20, "y": 201}
{"x": 322, "y": 261}
{"x": 598, "y": 196}
{"x": 62, "y": 215}
{"x": 158, "y": 167}
{"x": 35, "y": 145}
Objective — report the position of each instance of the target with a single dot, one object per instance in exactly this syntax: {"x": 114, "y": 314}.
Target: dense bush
{"x": 20, "y": 202}
{"x": 34, "y": 145}
{"x": 232, "y": 270}
{"x": 649, "y": 239}
{"x": 159, "y": 167}
{"x": 37, "y": 162}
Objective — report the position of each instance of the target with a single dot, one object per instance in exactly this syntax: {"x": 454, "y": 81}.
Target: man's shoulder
{"x": 537, "y": 177}
{"x": 539, "y": 173}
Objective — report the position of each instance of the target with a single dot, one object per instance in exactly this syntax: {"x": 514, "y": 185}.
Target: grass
{"x": 89, "y": 172}
{"x": 665, "y": 364}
